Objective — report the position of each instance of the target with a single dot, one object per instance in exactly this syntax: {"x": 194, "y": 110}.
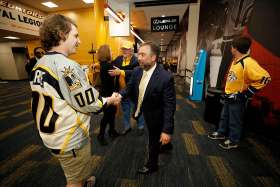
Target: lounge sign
{"x": 164, "y": 24}
{"x": 19, "y": 19}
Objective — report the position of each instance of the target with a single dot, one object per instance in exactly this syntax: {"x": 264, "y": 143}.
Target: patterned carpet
{"x": 194, "y": 161}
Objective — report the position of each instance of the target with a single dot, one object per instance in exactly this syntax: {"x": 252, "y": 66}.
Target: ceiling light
{"x": 88, "y": 1}
{"x": 162, "y": 15}
{"x": 11, "y": 37}
{"x": 112, "y": 13}
{"x": 49, "y": 4}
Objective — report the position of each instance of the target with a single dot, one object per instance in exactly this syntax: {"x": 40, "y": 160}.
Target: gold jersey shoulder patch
{"x": 71, "y": 79}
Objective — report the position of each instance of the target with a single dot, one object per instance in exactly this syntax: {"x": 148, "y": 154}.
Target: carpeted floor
{"x": 194, "y": 161}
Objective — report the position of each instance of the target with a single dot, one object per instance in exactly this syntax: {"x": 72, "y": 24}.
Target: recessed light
{"x": 50, "y": 4}
{"x": 162, "y": 15}
{"x": 11, "y": 37}
{"x": 88, "y": 1}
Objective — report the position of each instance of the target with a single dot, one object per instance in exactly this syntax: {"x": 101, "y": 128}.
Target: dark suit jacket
{"x": 129, "y": 68}
{"x": 159, "y": 103}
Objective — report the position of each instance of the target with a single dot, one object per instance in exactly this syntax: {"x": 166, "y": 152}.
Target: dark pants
{"x": 232, "y": 119}
{"x": 109, "y": 117}
{"x": 154, "y": 146}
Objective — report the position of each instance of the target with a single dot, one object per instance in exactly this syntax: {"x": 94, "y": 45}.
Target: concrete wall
{"x": 12, "y": 66}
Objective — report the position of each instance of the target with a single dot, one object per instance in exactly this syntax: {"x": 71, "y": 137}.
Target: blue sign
{"x": 197, "y": 81}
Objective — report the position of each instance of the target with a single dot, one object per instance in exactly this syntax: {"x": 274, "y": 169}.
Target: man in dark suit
{"x": 152, "y": 90}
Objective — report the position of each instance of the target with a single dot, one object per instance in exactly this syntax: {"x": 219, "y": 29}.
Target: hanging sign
{"x": 122, "y": 28}
{"x": 19, "y": 19}
{"x": 164, "y": 24}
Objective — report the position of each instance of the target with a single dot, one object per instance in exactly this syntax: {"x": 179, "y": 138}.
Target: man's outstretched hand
{"x": 114, "y": 72}
{"x": 114, "y": 99}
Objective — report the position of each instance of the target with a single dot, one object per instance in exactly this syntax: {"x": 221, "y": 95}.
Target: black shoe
{"x": 165, "y": 148}
{"x": 140, "y": 132}
{"x": 146, "y": 170}
{"x": 102, "y": 140}
{"x": 113, "y": 133}
{"x": 126, "y": 131}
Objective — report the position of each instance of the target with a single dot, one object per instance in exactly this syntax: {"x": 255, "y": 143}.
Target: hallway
{"x": 194, "y": 161}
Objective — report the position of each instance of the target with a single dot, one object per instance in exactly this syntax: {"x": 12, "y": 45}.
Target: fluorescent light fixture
{"x": 11, "y": 37}
{"x": 132, "y": 32}
{"x": 112, "y": 13}
{"x": 88, "y": 1}
{"x": 49, "y": 4}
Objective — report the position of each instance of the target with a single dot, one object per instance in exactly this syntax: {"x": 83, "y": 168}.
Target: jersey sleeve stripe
{"x": 48, "y": 70}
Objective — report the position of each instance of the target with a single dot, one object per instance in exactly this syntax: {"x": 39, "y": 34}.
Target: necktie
{"x": 142, "y": 87}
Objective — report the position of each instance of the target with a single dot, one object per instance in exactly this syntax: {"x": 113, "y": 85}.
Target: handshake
{"x": 114, "y": 99}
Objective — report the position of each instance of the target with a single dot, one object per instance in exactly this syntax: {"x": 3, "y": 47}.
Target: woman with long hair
{"x": 107, "y": 88}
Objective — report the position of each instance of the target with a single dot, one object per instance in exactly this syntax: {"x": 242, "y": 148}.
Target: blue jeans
{"x": 232, "y": 119}
{"x": 127, "y": 106}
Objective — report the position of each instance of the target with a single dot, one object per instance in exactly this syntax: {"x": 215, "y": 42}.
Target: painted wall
{"x": 31, "y": 44}
{"x": 84, "y": 19}
{"x": 93, "y": 31}
{"x": 11, "y": 67}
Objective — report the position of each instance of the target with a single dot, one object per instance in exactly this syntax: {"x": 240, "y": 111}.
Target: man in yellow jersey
{"x": 244, "y": 79}
{"x": 63, "y": 100}
{"x": 124, "y": 65}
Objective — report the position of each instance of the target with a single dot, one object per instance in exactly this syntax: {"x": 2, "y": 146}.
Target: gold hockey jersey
{"x": 246, "y": 73}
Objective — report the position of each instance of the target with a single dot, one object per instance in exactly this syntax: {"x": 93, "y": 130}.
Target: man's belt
{"x": 58, "y": 151}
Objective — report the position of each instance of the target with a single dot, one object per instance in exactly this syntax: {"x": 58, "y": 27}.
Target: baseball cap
{"x": 127, "y": 45}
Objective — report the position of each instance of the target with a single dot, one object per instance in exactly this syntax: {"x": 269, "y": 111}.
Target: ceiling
{"x": 141, "y": 17}
{"x": 141, "y": 13}
{"x": 62, "y": 4}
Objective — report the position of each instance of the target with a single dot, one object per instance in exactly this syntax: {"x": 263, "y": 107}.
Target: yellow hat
{"x": 127, "y": 45}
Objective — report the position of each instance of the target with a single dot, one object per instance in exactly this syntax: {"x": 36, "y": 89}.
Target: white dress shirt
{"x": 142, "y": 87}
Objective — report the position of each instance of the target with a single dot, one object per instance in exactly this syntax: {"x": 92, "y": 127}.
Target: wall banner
{"x": 19, "y": 19}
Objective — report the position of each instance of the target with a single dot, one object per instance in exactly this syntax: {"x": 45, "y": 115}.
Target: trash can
{"x": 213, "y": 106}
